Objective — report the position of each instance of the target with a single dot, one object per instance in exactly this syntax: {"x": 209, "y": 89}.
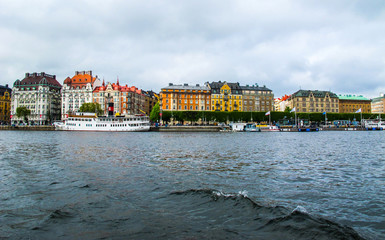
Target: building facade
{"x": 226, "y": 97}
{"x": 40, "y": 93}
{"x": 352, "y": 103}
{"x": 126, "y": 100}
{"x": 378, "y": 103}
{"x": 257, "y": 99}
{"x": 150, "y": 101}
{"x": 185, "y": 98}
{"x": 77, "y": 90}
{"x": 5, "y": 104}
{"x": 314, "y": 101}
{"x": 280, "y": 104}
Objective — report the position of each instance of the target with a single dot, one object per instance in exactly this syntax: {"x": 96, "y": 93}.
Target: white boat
{"x": 91, "y": 122}
{"x": 374, "y": 124}
{"x": 270, "y": 128}
{"x": 251, "y": 127}
{"x": 238, "y": 127}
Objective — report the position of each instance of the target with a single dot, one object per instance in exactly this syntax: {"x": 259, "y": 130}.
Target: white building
{"x": 40, "y": 93}
{"x": 77, "y": 90}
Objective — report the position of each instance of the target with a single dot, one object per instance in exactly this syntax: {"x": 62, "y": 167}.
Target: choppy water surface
{"x": 70, "y": 185}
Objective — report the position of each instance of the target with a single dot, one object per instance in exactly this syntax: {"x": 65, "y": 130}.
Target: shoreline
{"x": 179, "y": 129}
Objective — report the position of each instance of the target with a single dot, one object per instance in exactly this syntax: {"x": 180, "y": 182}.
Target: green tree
{"x": 91, "y": 107}
{"x": 154, "y": 115}
{"x": 23, "y": 112}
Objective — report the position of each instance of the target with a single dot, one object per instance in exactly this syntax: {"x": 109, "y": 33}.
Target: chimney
{"x": 197, "y": 85}
{"x": 76, "y": 72}
{"x": 26, "y": 75}
{"x": 170, "y": 84}
{"x": 6, "y": 85}
{"x": 186, "y": 84}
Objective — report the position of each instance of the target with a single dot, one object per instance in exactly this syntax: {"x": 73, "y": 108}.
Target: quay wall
{"x": 190, "y": 129}
{"x": 28, "y": 128}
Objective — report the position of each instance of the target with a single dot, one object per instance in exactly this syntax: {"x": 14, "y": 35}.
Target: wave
{"x": 249, "y": 219}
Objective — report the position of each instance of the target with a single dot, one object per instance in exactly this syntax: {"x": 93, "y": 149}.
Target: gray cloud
{"x": 285, "y": 45}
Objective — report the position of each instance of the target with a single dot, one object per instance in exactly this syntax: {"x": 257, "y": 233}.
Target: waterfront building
{"x": 185, "y": 98}
{"x": 150, "y": 100}
{"x": 314, "y": 101}
{"x": 280, "y": 104}
{"x": 257, "y": 99}
{"x": 226, "y": 96}
{"x": 77, "y": 90}
{"x": 5, "y": 104}
{"x": 351, "y": 103}
{"x": 40, "y": 93}
{"x": 378, "y": 104}
{"x": 125, "y": 99}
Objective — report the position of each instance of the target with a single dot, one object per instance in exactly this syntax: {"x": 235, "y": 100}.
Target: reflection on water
{"x": 112, "y": 185}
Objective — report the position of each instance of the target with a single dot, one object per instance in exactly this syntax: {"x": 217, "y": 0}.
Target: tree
{"x": 23, "y": 112}
{"x": 154, "y": 115}
{"x": 91, "y": 108}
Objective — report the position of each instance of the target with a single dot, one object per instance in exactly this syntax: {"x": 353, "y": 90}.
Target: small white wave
{"x": 220, "y": 193}
{"x": 300, "y": 209}
{"x": 243, "y": 193}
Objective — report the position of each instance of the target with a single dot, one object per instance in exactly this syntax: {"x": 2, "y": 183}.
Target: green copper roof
{"x": 353, "y": 97}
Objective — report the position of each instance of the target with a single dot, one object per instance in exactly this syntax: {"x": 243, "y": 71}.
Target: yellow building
{"x": 352, "y": 103}
{"x": 226, "y": 96}
{"x": 5, "y": 104}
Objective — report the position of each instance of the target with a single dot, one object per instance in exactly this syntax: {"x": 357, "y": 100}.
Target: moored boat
{"x": 374, "y": 124}
{"x": 270, "y": 128}
{"x": 91, "y": 122}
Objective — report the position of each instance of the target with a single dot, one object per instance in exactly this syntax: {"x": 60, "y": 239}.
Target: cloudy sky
{"x": 285, "y": 45}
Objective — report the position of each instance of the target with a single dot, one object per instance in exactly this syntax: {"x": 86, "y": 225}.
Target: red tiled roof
{"x": 36, "y": 78}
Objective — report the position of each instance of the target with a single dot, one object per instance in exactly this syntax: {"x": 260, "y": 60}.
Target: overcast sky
{"x": 285, "y": 45}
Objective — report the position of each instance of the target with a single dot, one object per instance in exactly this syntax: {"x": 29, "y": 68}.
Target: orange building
{"x": 185, "y": 98}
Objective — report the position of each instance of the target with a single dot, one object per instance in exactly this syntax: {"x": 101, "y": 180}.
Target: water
{"x": 73, "y": 185}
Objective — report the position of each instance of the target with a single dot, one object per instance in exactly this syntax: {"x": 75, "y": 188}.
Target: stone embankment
{"x": 28, "y": 128}
{"x": 187, "y": 129}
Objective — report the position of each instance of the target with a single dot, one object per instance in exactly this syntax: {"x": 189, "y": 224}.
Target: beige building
{"x": 378, "y": 104}
{"x": 314, "y": 101}
{"x": 257, "y": 99}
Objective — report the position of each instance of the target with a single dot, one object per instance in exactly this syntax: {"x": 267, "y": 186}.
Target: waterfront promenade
{"x": 184, "y": 128}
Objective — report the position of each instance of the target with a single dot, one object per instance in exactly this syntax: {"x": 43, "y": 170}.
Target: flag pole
{"x": 269, "y": 119}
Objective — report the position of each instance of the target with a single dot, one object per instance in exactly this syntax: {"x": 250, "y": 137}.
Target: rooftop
{"x": 185, "y": 86}
{"x": 353, "y": 97}
{"x": 316, "y": 93}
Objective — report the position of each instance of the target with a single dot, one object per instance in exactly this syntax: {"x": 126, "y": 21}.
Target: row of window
{"x": 316, "y": 99}
{"x": 186, "y": 108}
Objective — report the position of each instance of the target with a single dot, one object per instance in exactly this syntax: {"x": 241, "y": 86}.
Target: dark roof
{"x": 217, "y": 85}
{"x": 255, "y": 87}
{"x": 36, "y": 79}
{"x": 4, "y": 89}
{"x": 316, "y": 93}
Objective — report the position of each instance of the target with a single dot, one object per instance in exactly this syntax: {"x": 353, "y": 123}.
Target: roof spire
{"x": 117, "y": 82}
{"x": 103, "y": 82}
